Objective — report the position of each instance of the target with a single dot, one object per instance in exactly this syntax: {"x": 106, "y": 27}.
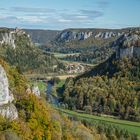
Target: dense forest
{"x": 91, "y": 50}
{"x": 111, "y": 88}
{"x": 92, "y": 55}
{"x": 39, "y": 121}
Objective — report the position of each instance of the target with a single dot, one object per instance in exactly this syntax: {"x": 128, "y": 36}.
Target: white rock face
{"x": 7, "y": 109}
{"x": 106, "y": 35}
{"x": 35, "y": 90}
{"x": 9, "y": 39}
{"x": 5, "y": 96}
{"x": 67, "y": 36}
{"x": 72, "y": 35}
{"x": 128, "y": 46}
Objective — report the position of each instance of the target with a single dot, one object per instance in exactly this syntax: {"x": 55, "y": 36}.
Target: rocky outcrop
{"x": 9, "y": 37}
{"x": 128, "y": 45}
{"x": 69, "y": 35}
{"x": 128, "y": 52}
{"x": 35, "y": 90}
{"x": 7, "y": 109}
{"x": 106, "y": 35}
{"x": 5, "y": 96}
{"x": 73, "y": 35}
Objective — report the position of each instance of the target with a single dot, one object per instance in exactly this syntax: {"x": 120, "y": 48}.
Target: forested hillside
{"x": 42, "y": 37}
{"x": 38, "y": 120}
{"x": 17, "y": 49}
{"x": 112, "y": 87}
{"x": 93, "y": 46}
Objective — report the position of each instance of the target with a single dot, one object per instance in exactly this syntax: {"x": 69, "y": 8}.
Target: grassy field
{"x": 41, "y": 85}
{"x": 62, "y": 77}
{"x": 132, "y": 127}
{"x": 82, "y": 63}
{"x": 62, "y": 55}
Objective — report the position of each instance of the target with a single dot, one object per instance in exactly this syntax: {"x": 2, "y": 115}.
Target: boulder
{"x": 9, "y": 111}
{"x": 35, "y": 90}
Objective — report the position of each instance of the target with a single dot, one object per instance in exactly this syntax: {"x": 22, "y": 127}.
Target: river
{"x": 51, "y": 98}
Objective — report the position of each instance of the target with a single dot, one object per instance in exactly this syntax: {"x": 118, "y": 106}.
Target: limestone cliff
{"x": 7, "y": 109}
{"x": 128, "y": 45}
{"x": 33, "y": 90}
{"x": 106, "y": 35}
{"x": 72, "y": 35}
{"x": 8, "y": 37}
{"x": 69, "y": 35}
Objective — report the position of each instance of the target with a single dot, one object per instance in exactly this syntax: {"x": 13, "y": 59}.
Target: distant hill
{"x": 42, "y": 37}
{"x": 71, "y": 36}
{"x": 17, "y": 48}
{"x": 127, "y": 48}
{"x": 93, "y": 45}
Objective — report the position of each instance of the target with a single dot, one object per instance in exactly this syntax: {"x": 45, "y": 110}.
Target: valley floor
{"x": 132, "y": 127}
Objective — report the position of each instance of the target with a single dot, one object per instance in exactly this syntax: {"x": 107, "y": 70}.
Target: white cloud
{"x": 31, "y": 19}
{"x": 50, "y": 17}
{"x": 32, "y": 10}
{"x": 64, "y": 20}
{"x": 81, "y": 17}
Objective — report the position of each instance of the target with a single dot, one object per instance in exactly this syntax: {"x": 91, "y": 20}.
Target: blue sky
{"x": 62, "y": 14}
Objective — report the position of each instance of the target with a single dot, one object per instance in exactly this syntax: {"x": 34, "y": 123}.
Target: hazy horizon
{"x": 69, "y": 28}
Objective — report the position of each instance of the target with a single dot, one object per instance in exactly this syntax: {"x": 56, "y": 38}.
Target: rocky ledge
{"x": 128, "y": 45}
{"x": 69, "y": 35}
{"x": 7, "y": 108}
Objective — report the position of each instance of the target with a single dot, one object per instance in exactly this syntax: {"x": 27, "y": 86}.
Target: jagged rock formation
{"x": 9, "y": 37}
{"x": 83, "y": 34}
{"x": 106, "y": 35}
{"x": 7, "y": 109}
{"x": 72, "y": 35}
{"x": 5, "y": 96}
{"x": 128, "y": 45}
{"x": 35, "y": 90}
{"x": 32, "y": 58}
